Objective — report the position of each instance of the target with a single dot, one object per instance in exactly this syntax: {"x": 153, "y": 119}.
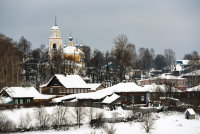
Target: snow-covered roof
{"x": 110, "y": 99}
{"x": 127, "y": 87}
{"x": 164, "y": 76}
{"x": 118, "y": 88}
{"x": 170, "y": 98}
{"x": 44, "y": 96}
{"x": 55, "y": 28}
{"x": 26, "y": 92}
{"x": 191, "y": 111}
{"x": 185, "y": 62}
{"x": 93, "y": 86}
{"x": 193, "y": 73}
{"x": 70, "y": 81}
{"x": 197, "y": 88}
{"x": 5, "y": 100}
{"x": 159, "y": 88}
{"x": 71, "y": 50}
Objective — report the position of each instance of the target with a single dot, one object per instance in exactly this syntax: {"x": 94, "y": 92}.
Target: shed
{"x": 190, "y": 114}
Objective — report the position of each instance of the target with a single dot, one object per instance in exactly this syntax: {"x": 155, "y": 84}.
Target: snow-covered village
{"x": 100, "y": 67}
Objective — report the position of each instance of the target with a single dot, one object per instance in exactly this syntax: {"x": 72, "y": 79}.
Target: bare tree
{"x": 169, "y": 88}
{"x": 170, "y": 57}
{"x": 25, "y": 121}
{"x": 194, "y": 58}
{"x": 36, "y": 53}
{"x": 24, "y": 46}
{"x": 42, "y": 117}
{"x": 145, "y": 58}
{"x": 97, "y": 61}
{"x": 60, "y": 117}
{"x": 57, "y": 63}
{"x": 123, "y": 54}
{"x": 160, "y": 61}
{"x": 10, "y": 62}
{"x": 78, "y": 115}
{"x": 86, "y": 50}
{"x": 91, "y": 113}
{"x": 148, "y": 123}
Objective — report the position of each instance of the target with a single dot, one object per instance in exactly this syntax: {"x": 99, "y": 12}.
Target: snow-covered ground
{"x": 165, "y": 123}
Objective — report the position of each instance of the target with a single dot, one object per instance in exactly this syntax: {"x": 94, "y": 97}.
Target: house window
{"x": 67, "y": 90}
{"x": 21, "y": 101}
{"x": 16, "y": 101}
{"x": 60, "y": 90}
{"x": 125, "y": 98}
{"x": 64, "y": 90}
{"x": 71, "y": 90}
{"x": 51, "y": 90}
{"x": 132, "y": 98}
{"x": 142, "y": 98}
{"x": 28, "y": 100}
{"x": 78, "y": 90}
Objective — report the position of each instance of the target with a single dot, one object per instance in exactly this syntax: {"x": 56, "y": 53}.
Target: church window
{"x": 54, "y": 46}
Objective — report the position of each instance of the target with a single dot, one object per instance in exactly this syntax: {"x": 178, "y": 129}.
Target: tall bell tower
{"x": 55, "y": 40}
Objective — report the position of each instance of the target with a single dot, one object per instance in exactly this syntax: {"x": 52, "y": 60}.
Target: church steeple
{"x": 55, "y": 21}
{"x": 55, "y": 40}
{"x": 71, "y": 40}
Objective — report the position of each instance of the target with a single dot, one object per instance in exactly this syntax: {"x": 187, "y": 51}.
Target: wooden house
{"x": 95, "y": 86}
{"x": 129, "y": 93}
{"x": 24, "y": 95}
{"x": 65, "y": 85}
{"x": 177, "y": 82}
{"x": 190, "y": 114}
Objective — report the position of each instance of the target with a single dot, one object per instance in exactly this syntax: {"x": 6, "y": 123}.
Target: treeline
{"x": 123, "y": 59}
{"x": 18, "y": 62}
{"x": 20, "y": 65}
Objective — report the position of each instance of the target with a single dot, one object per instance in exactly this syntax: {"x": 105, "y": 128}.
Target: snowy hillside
{"x": 165, "y": 123}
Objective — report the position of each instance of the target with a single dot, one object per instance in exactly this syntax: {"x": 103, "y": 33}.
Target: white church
{"x": 72, "y": 55}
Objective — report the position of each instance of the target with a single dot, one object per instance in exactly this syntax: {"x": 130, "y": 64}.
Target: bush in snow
{"x": 109, "y": 128}
{"x": 91, "y": 113}
{"x": 115, "y": 115}
{"x": 5, "y": 124}
{"x": 42, "y": 117}
{"x": 60, "y": 117}
{"x": 98, "y": 122}
{"x": 25, "y": 121}
{"x": 148, "y": 122}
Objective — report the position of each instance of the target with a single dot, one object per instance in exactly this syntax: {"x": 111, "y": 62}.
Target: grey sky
{"x": 157, "y": 24}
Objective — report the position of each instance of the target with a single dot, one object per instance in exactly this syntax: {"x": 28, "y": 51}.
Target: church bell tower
{"x": 55, "y": 40}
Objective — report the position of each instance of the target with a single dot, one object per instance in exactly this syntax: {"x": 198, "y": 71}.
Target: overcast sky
{"x": 157, "y": 24}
